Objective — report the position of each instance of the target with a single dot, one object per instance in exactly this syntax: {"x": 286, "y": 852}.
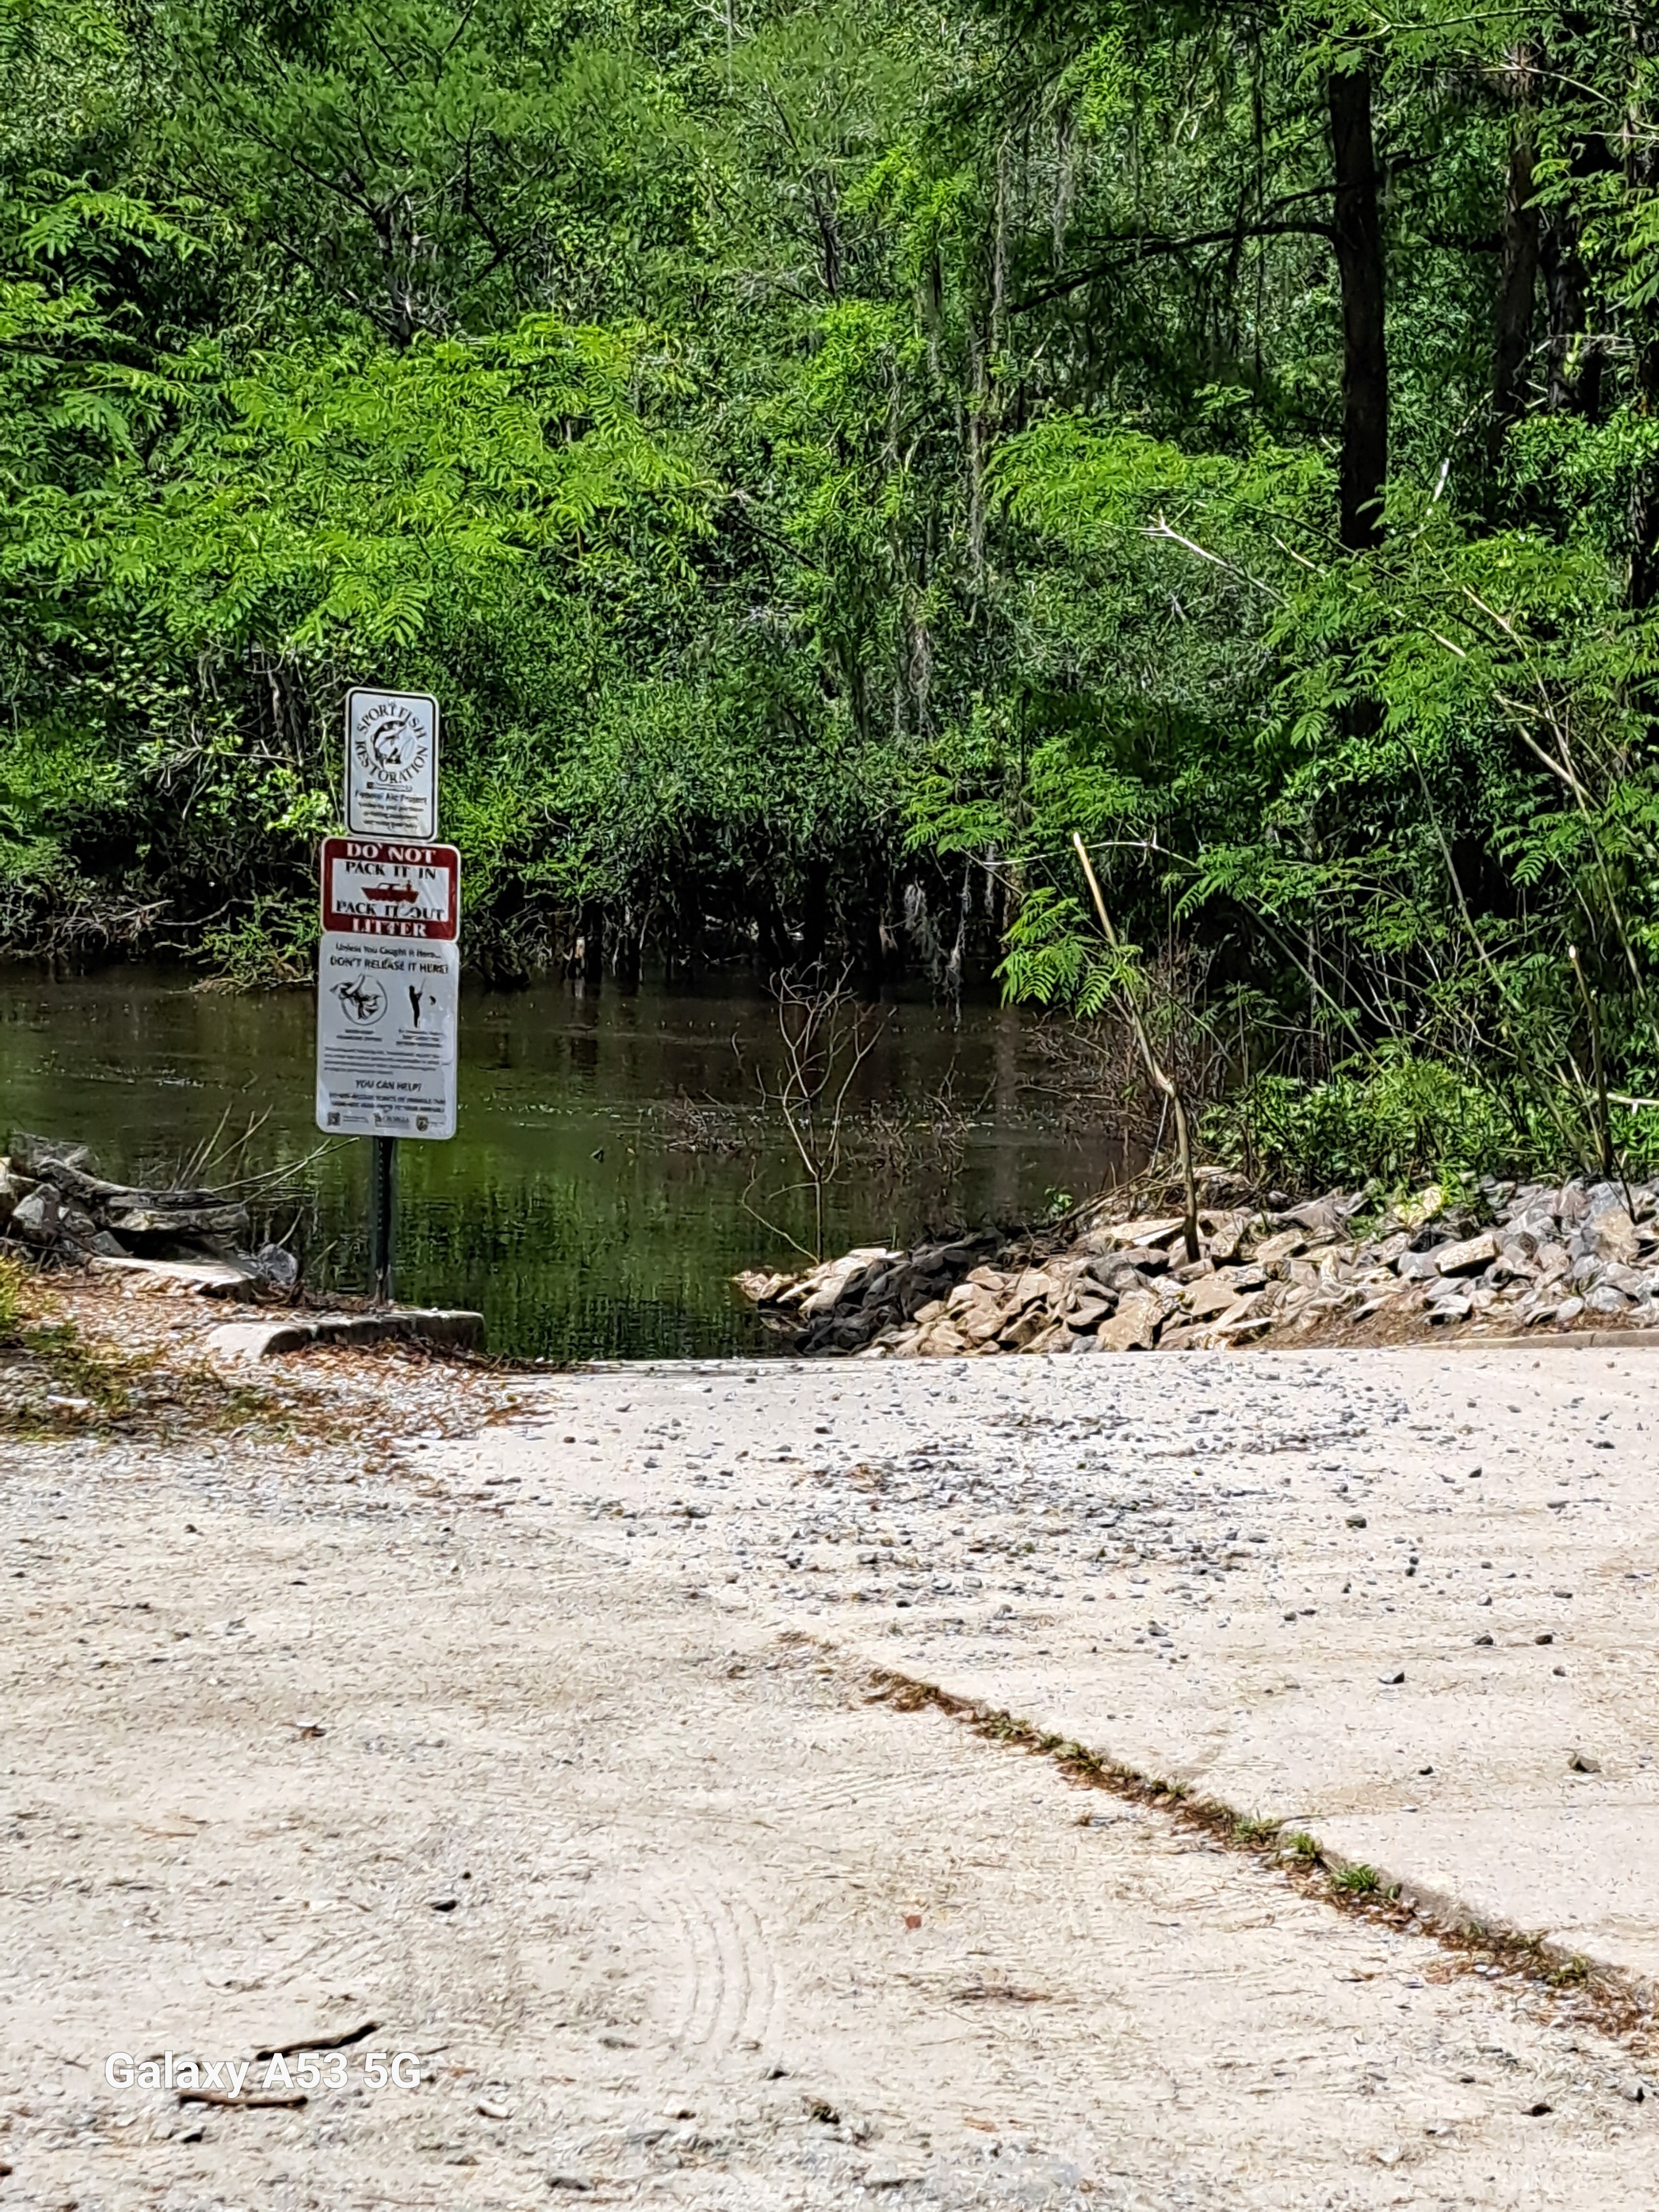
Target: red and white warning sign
{"x": 375, "y": 888}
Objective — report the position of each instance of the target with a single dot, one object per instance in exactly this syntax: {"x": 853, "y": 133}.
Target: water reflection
{"x": 609, "y": 1169}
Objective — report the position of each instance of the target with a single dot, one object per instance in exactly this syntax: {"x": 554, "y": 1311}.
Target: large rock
{"x": 38, "y": 1218}
{"x": 1570, "y": 1204}
{"x": 831, "y": 1282}
{"x": 208, "y": 1278}
{"x": 1517, "y": 1250}
{"x": 1224, "y": 1234}
{"x": 14, "y": 1187}
{"x": 1210, "y": 1295}
{"x": 1032, "y": 1287}
{"x": 918, "y": 1287}
{"x": 438, "y": 1325}
{"x": 1321, "y": 1217}
{"x": 29, "y": 1153}
{"x": 1113, "y": 1235}
{"x": 1467, "y": 1258}
{"x": 1418, "y": 1267}
{"x": 1273, "y": 1251}
{"x": 1022, "y": 1333}
{"x": 76, "y": 1227}
{"x": 941, "y": 1342}
{"x": 1147, "y": 1259}
{"x": 1135, "y": 1326}
{"x": 1611, "y": 1235}
{"x": 980, "y": 1322}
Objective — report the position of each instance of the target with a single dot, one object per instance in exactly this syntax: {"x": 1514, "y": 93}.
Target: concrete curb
{"x": 1447, "y": 1910}
{"x": 1589, "y": 1339}
{"x": 1440, "y": 1905}
{"x": 240, "y": 1340}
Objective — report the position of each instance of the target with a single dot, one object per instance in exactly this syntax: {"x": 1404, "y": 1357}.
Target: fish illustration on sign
{"x": 392, "y": 742}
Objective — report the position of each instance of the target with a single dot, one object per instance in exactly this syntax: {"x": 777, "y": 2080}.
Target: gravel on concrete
{"x": 549, "y": 1746}
{"x": 1271, "y": 1578}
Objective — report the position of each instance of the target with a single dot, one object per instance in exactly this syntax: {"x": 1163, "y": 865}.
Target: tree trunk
{"x": 1576, "y": 354}
{"x": 630, "y": 944}
{"x": 1517, "y": 283}
{"x": 1357, "y": 236}
{"x": 1575, "y": 366}
{"x": 815, "y": 912}
{"x": 1645, "y": 500}
{"x": 593, "y": 935}
{"x": 1641, "y": 176}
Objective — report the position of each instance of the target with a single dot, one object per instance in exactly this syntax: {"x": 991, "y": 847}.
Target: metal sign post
{"x": 388, "y": 975}
{"x": 382, "y": 1213}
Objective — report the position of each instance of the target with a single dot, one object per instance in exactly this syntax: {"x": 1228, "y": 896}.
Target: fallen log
{"x": 161, "y": 1220}
{"x": 97, "y": 1196}
{"x": 52, "y": 1198}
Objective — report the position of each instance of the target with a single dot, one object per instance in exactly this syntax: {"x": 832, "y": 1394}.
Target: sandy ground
{"x": 1215, "y": 1572}
{"x": 548, "y": 1747}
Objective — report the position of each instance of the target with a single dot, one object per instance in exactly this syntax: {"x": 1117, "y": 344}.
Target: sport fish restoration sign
{"x": 391, "y": 764}
{"x": 388, "y": 1019}
{"x": 375, "y": 889}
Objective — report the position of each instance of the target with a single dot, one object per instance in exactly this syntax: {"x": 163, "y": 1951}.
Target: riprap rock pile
{"x": 1518, "y": 1256}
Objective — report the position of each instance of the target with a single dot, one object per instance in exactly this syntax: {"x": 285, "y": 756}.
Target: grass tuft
{"x": 55, "y": 1385}
{"x": 14, "y": 1304}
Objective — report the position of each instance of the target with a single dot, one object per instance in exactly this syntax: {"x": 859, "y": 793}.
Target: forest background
{"x": 825, "y": 457}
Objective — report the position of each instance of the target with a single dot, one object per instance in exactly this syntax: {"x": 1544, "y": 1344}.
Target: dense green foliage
{"x": 824, "y": 456}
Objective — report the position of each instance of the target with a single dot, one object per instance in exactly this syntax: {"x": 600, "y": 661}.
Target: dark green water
{"x": 602, "y": 1187}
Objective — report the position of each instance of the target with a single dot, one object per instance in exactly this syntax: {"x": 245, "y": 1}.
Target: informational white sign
{"x": 392, "y": 764}
{"x": 387, "y": 1025}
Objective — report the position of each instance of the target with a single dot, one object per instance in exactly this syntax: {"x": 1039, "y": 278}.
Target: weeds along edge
{"x": 1619, "y": 2006}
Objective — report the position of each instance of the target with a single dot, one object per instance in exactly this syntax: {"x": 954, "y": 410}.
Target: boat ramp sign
{"x": 387, "y": 1023}
{"x": 388, "y": 988}
{"x": 389, "y": 966}
{"x": 391, "y": 764}
{"x": 379, "y": 888}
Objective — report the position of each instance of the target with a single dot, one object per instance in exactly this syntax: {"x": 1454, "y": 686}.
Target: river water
{"x": 613, "y": 1169}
